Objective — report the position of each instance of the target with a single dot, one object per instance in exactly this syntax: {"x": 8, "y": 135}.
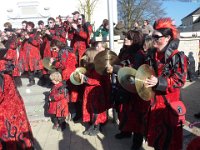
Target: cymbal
{"x": 46, "y": 64}
{"x": 126, "y": 78}
{"x": 75, "y": 76}
{"x": 144, "y": 72}
{"x": 102, "y": 59}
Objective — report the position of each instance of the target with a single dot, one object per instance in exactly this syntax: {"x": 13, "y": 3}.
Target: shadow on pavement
{"x": 72, "y": 141}
{"x": 190, "y": 96}
{"x": 37, "y": 145}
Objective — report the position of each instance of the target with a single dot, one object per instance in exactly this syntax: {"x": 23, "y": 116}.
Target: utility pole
{"x": 110, "y": 18}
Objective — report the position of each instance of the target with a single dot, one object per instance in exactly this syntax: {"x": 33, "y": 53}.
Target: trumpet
{"x": 43, "y": 31}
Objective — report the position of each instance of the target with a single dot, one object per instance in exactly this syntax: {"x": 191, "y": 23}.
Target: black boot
{"x": 31, "y": 78}
{"x": 95, "y": 130}
{"x": 72, "y": 110}
{"x": 48, "y": 82}
{"x": 62, "y": 123}
{"x": 197, "y": 115}
{"x": 78, "y": 112}
{"x": 32, "y": 82}
{"x": 137, "y": 141}
{"x": 55, "y": 122}
{"x": 115, "y": 116}
{"x": 123, "y": 135}
{"x": 41, "y": 81}
{"x": 88, "y": 130}
{"x": 63, "y": 126}
{"x": 18, "y": 81}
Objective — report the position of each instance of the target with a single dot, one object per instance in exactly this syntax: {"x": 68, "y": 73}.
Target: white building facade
{"x": 15, "y": 11}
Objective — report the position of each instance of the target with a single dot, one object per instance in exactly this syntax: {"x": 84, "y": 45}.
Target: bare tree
{"x": 138, "y": 10}
{"x": 87, "y": 7}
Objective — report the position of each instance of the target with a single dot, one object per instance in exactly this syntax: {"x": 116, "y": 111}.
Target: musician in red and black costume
{"x": 58, "y": 101}
{"x": 170, "y": 67}
{"x": 130, "y": 107}
{"x": 68, "y": 28}
{"x": 15, "y": 129}
{"x": 73, "y": 18}
{"x": 40, "y": 30}
{"x": 31, "y": 58}
{"x": 60, "y": 30}
{"x": 64, "y": 60}
{"x": 12, "y": 43}
{"x": 53, "y": 33}
{"x": 88, "y": 27}
{"x": 80, "y": 37}
{"x": 94, "y": 101}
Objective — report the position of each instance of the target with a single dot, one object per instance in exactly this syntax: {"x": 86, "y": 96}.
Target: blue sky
{"x": 178, "y": 10}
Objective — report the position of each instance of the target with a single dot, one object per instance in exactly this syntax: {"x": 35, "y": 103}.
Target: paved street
{"x": 72, "y": 139}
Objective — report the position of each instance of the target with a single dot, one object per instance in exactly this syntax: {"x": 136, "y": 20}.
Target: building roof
{"x": 195, "y": 12}
{"x": 197, "y": 20}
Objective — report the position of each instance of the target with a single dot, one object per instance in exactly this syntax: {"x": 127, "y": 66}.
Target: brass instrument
{"x": 22, "y": 35}
{"x": 48, "y": 65}
{"x": 144, "y": 72}
{"x": 134, "y": 80}
{"x": 102, "y": 59}
{"x": 126, "y": 78}
{"x": 42, "y": 33}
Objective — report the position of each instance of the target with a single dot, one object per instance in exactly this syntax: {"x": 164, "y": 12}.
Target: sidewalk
{"x": 72, "y": 138}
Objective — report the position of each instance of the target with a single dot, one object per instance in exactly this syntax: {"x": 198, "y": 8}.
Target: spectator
{"x": 120, "y": 30}
{"x": 147, "y": 29}
{"x": 136, "y": 26}
{"x": 103, "y": 30}
{"x": 191, "y": 67}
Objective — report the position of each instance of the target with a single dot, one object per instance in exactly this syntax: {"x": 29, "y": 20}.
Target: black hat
{"x": 9, "y": 30}
{"x": 76, "y": 12}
